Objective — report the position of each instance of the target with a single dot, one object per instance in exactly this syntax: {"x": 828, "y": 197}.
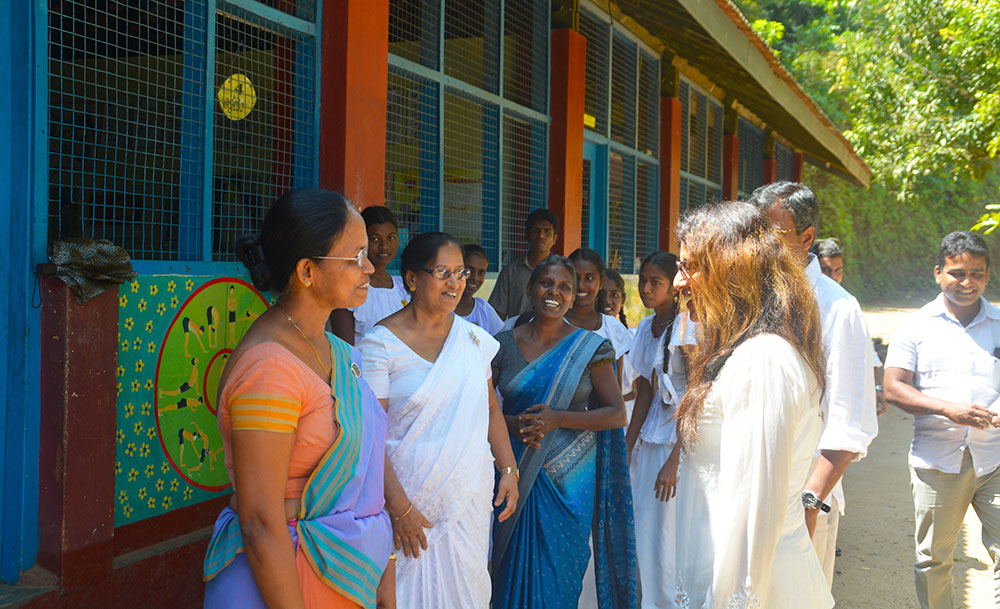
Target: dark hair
{"x": 542, "y": 215}
{"x": 615, "y": 276}
{"x": 962, "y": 242}
{"x": 536, "y": 273}
{"x": 796, "y": 197}
{"x": 422, "y": 250}
{"x": 303, "y": 223}
{"x": 472, "y": 249}
{"x": 666, "y": 262}
{"x": 377, "y": 214}
{"x": 827, "y": 248}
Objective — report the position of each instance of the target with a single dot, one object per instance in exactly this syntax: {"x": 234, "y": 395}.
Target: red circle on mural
{"x": 204, "y": 380}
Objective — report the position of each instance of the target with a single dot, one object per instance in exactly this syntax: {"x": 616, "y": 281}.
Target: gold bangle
{"x": 404, "y": 513}
{"x": 392, "y": 556}
{"x": 510, "y": 470}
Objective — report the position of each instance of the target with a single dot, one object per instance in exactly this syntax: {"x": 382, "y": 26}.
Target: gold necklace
{"x": 315, "y": 351}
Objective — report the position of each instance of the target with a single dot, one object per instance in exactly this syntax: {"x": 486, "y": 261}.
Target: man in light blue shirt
{"x": 942, "y": 368}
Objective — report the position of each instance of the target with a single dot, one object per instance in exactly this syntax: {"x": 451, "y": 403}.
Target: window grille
{"x": 701, "y": 147}
{"x": 411, "y": 153}
{"x": 598, "y": 34}
{"x": 471, "y": 162}
{"x": 684, "y": 92}
{"x": 585, "y": 210}
{"x": 751, "y": 161}
{"x": 263, "y": 155}
{"x": 623, "y": 91}
{"x": 715, "y": 115}
{"x": 646, "y": 211}
{"x": 472, "y": 42}
{"x": 524, "y": 166}
{"x": 621, "y": 212}
{"x": 128, "y": 90}
{"x": 649, "y": 105}
{"x": 414, "y": 31}
{"x": 698, "y": 135}
{"x": 684, "y": 206}
{"x": 784, "y": 162}
{"x": 525, "y": 56}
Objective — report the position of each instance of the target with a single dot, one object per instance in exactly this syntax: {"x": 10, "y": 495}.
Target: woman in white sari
{"x": 431, "y": 370}
{"x": 750, "y": 419}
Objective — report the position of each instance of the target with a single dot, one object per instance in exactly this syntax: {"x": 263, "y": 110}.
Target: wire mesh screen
{"x": 683, "y": 205}
{"x": 125, "y": 87}
{"x": 525, "y": 53}
{"x": 697, "y": 194}
{"x": 685, "y": 97}
{"x": 472, "y": 42}
{"x": 414, "y": 30}
{"x": 264, "y": 119}
{"x": 646, "y": 211}
{"x": 784, "y": 162}
{"x": 714, "y": 144}
{"x": 412, "y": 163}
{"x": 303, "y": 9}
{"x": 623, "y": 91}
{"x": 585, "y": 209}
{"x": 698, "y": 135}
{"x": 751, "y": 161}
{"x": 621, "y": 212}
{"x": 470, "y": 153}
{"x": 649, "y": 105}
{"x": 598, "y": 33}
{"x": 714, "y": 194}
{"x": 523, "y": 182}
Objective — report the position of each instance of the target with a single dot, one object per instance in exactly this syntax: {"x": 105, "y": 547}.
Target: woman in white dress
{"x": 750, "y": 420}
{"x": 651, "y": 440}
{"x": 386, "y": 294}
{"x": 471, "y": 309}
{"x": 432, "y": 371}
{"x": 592, "y": 276}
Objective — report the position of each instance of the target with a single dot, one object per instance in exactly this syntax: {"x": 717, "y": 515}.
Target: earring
{"x": 309, "y": 284}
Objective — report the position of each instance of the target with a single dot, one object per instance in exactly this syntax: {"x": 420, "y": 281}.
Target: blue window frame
{"x": 467, "y": 116}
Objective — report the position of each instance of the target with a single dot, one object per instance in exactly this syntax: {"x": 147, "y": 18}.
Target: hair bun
{"x": 250, "y": 252}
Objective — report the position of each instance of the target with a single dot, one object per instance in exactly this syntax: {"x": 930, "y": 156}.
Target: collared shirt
{"x": 510, "y": 294}
{"x": 849, "y": 413}
{"x": 954, "y": 363}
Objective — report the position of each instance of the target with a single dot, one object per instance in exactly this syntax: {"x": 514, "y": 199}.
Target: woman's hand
{"x": 539, "y": 420}
{"x": 408, "y": 532}
{"x": 506, "y": 491}
{"x": 385, "y": 594}
{"x": 665, "y": 486}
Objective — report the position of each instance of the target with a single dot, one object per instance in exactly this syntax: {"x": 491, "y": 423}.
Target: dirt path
{"x": 875, "y": 570}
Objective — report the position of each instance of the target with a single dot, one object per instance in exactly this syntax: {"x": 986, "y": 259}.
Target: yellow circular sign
{"x": 237, "y": 97}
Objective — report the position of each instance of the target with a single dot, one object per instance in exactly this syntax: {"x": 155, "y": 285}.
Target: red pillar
{"x": 566, "y": 103}
{"x": 670, "y": 172}
{"x": 730, "y": 166}
{"x": 770, "y": 170}
{"x": 353, "y": 99}
{"x": 76, "y": 496}
{"x": 797, "y": 167}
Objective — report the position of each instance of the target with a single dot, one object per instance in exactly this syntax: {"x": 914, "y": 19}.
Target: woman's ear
{"x": 410, "y": 280}
{"x": 304, "y": 272}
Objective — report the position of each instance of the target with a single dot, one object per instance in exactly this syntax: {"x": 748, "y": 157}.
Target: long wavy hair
{"x": 746, "y": 283}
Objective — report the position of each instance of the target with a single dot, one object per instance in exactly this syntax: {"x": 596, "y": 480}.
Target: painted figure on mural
{"x": 191, "y": 328}
{"x": 231, "y": 303}
{"x": 212, "y": 316}
{"x": 181, "y": 404}
{"x": 191, "y": 383}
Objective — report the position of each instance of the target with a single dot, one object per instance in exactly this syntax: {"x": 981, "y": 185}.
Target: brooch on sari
{"x": 474, "y": 338}
{"x": 355, "y": 370}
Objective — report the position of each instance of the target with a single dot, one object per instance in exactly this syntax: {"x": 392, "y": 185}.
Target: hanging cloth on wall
{"x": 89, "y": 267}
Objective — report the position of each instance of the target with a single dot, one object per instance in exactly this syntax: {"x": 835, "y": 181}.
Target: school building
{"x": 168, "y": 126}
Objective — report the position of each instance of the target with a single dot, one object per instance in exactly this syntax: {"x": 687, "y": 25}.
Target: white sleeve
{"x": 902, "y": 350}
{"x": 763, "y": 392}
{"x": 375, "y": 363}
{"x": 490, "y": 320}
{"x": 851, "y": 415}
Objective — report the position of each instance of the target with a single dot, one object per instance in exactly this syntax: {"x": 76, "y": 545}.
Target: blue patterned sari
{"x": 574, "y": 486}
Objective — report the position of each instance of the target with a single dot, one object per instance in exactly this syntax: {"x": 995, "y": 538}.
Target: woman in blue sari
{"x": 565, "y": 414}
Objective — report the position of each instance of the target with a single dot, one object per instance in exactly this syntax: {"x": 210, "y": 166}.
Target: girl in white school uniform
{"x": 470, "y": 308}
{"x": 651, "y": 440}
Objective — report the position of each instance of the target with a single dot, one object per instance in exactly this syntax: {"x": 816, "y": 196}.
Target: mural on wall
{"x": 176, "y": 335}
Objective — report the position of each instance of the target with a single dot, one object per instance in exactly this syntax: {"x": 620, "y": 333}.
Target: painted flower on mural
{"x": 127, "y": 510}
{"x": 188, "y": 285}
{"x": 121, "y": 370}
{"x": 149, "y": 326}
{"x": 118, "y": 466}
{"x": 122, "y": 497}
{"x": 135, "y": 287}
{"x": 130, "y": 449}
{"x": 174, "y": 302}
{"x": 151, "y": 347}
{"x": 149, "y": 384}
{"x": 139, "y": 365}
{"x": 159, "y": 484}
{"x": 129, "y": 323}
{"x": 167, "y": 502}
{"x": 171, "y": 286}
{"x": 153, "y": 289}
{"x": 151, "y": 503}
{"x": 129, "y": 408}
{"x": 138, "y": 344}
{"x": 142, "y": 305}
{"x": 137, "y": 428}
{"x": 133, "y": 474}
{"x": 146, "y": 408}
{"x": 151, "y": 433}
{"x": 125, "y": 345}
{"x": 188, "y": 492}
{"x": 150, "y": 470}
{"x": 120, "y": 436}
{"x": 144, "y": 450}
{"x": 119, "y": 388}
{"x": 142, "y": 493}
{"x": 174, "y": 485}
{"x": 161, "y": 309}
{"x": 164, "y": 467}
{"x": 122, "y": 301}
{"x": 136, "y": 385}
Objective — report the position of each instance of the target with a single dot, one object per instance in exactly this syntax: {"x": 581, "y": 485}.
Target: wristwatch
{"x": 812, "y": 502}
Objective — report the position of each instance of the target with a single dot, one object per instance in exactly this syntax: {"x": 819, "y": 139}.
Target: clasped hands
{"x": 535, "y": 422}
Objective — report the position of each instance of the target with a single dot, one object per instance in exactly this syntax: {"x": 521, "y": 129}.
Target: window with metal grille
{"x": 165, "y": 145}
{"x": 467, "y": 141}
{"x": 751, "y": 161}
{"x": 647, "y": 211}
{"x": 621, "y": 212}
{"x": 597, "y": 31}
{"x": 585, "y": 209}
{"x": 624, "y": 86}
{"x": 649, "y": 105}
{"x": 701, "y": 146}
{"x": 784, "y": 163}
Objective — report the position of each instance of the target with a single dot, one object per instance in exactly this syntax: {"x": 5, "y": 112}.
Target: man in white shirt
{"x": 849, "y": 411}
{"x": 942, "y": 368}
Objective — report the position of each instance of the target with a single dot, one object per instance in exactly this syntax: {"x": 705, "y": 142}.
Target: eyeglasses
{"x": 359, "y": 259}
{"x": 443, "y": 273}
{"x": 682, "y": 266}
{"x": 783, "y": 231}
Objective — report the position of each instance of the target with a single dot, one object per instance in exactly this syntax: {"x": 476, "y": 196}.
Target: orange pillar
{"x": 566, "y": 106}
{"x": 355, "y": 60}
{"x": 670, "y": 172}
{"x": 730, "y": 166}
{"x": 770, "y": 170}
{"x": 797, "y": 167}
